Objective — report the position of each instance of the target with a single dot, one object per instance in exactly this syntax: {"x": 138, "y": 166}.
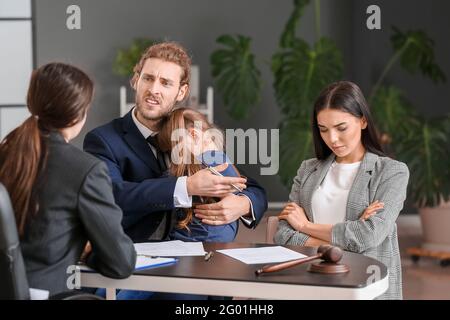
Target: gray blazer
{"x": 378, "y": 178}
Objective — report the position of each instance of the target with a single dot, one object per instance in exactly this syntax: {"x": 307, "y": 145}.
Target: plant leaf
{"x": 392, "y": 112}
{"x": 237, "y": 78}
{"x": 417, "y": 53}
{"x": 126, "y": 59}
{"x": 288, "y": 36}
{"x": 295, "y": 146}
{"x": 426, "y": 152}
{"x": 301, "y": 73}
{"x": 227, "y": 40}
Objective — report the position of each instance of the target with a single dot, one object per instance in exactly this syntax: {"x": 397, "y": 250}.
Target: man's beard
{"x": 151, "y": 117}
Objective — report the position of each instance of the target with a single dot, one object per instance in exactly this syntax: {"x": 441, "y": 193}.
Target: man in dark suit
{"x": 127, "y": 145}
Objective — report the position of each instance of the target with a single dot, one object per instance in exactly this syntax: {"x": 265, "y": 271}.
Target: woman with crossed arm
{"x": 351, "y": 194}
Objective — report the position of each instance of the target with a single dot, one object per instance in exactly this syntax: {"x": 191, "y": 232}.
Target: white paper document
{"x": 175, "y": 248}
{"x": 271, "y": 254}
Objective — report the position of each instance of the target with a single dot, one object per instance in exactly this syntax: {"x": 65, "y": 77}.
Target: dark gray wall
{"x": 110, "y": 24}
{"x": 372, "y": 49}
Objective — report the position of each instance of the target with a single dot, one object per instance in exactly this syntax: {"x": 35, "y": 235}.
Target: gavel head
{"x": 330, "y": 253}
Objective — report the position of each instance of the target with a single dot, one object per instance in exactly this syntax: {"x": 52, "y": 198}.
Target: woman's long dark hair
{"x": 58, "y": 97}
{"x": 345, "y": 96}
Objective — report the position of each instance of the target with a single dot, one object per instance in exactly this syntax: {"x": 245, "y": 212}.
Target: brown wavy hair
{"x": 183, "y": 118}
{"x": 58, "y": 97}
{"x": 167, "y": 51}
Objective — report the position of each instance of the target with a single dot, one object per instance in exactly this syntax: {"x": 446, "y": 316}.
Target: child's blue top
{"x": 205, "y": 232}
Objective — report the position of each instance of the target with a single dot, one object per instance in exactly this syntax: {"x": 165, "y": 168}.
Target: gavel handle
{"x": 288, "y": 264}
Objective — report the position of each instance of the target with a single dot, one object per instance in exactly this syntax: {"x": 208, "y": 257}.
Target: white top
{"x": 329, "y": 201}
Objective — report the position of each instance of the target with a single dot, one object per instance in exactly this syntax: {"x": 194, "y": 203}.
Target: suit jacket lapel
{"x": 314, "y": 180}
{"x": 137, "y": 142}
{"x": 356, "y": 202}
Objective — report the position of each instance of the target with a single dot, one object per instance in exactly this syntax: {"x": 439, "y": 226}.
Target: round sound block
{"x": 328, "y": 267}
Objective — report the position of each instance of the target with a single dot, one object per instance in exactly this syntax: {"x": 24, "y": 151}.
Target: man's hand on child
{"x": 227, "y": 210}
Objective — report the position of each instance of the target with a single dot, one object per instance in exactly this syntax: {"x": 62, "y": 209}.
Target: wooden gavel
{"x": 327, "y": 253}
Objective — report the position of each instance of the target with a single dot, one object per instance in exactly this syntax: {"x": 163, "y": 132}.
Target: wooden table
{"x": 225, "y": 276}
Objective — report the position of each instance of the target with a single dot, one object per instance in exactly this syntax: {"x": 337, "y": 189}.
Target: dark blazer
{"x": 76, "y": 204}
{"x": 139, "y": 188}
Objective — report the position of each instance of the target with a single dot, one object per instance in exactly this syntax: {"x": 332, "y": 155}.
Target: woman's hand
{"x": 294, "y": 215}
{"x": 371, "y": 210}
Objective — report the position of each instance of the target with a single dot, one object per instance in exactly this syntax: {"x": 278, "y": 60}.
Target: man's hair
{"x": 167, "y": 51}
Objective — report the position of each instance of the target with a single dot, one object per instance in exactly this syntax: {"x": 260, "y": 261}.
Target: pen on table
{"x": 217, "y": 173}
{"x": 209, "y": 255}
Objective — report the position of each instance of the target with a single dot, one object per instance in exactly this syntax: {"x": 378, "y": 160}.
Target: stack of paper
{"x": 175, "y": 248}
{"x": 271, "y": 254}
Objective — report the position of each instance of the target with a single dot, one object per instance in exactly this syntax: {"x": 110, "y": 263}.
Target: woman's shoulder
{"x": 306, "y": 167}
{"x": 73, "y": 158}
{"x": 309, "y": 164}
{"x": 386, "y": 165}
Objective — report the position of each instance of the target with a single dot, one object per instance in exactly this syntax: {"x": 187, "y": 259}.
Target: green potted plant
{"x": 421, "y": 142}
{"x": 426, "y": 150}
{"x": 236, "y": 75}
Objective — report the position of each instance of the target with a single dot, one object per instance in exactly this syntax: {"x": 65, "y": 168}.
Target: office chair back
{"x": 13, "y": 276}
{"x": 272, "y": 225}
